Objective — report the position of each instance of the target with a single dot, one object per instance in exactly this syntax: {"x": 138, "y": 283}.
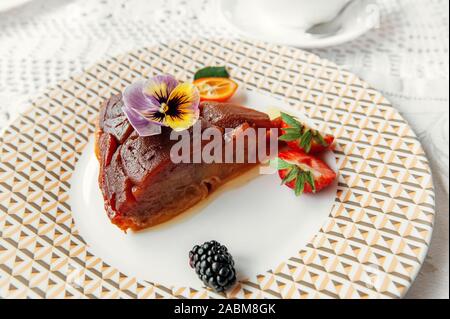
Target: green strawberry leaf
{"x": 310, "y": 181}
{"x": 291, "y": 175}
{"x": 292, "y": 131}
{"x": 320, "y": 140}
{"x": 289, "y": 137}
{"x": 300, "y": 184}
{"x": 290, "y": 120}
{"x": 305, "y": 141}
{"x": 298, "y": 174}
{"x": 212, "y": 72}
{"x": 283, "y": 164}
{"x": 298, "y": 132}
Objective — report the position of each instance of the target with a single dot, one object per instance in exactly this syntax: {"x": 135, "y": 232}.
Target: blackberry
{"x": 214, "y": 265}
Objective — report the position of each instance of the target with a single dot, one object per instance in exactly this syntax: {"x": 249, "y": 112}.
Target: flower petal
{"x": 182, "y": 107}
{"x": 134, "y": 98}
{"x": 142, "y": 126}
{"x": 158, "y": 89}
{"x": 137, "y": 107}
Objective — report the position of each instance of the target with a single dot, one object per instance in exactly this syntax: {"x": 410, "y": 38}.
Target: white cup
{"x": 300, "y": 14}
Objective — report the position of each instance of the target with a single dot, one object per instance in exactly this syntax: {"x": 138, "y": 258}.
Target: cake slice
{"x": 141, "y": 185}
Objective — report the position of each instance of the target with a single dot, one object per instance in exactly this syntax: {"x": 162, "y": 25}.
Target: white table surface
{"x": 406, "y": 58}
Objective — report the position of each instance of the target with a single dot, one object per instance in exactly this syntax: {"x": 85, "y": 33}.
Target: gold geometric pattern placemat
{"x": 371, "y": 246}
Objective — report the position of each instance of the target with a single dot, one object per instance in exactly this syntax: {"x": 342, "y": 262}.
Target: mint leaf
{"x": 212, "y": 72}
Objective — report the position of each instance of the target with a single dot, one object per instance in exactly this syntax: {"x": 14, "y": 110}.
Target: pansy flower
{"x": 161, "y": 101}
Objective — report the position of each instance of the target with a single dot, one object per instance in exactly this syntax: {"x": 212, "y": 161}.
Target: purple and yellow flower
{"x": 161, "y": 101}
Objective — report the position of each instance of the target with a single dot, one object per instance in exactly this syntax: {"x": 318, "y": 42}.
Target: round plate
{"x": 360, "y": 18}
{"x": 6, "y": 5}
{"x": 371, "y": 244}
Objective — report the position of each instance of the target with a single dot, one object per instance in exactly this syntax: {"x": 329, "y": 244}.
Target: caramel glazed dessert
{"x": 141, "y": 186}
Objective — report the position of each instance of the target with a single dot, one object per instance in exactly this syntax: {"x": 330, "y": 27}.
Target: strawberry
{"x": 301, "y": 138}
{"x": 304, "y": 173}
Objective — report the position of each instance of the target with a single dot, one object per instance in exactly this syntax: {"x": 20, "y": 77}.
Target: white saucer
{"x": 11, "y": 4}
{"x": 359, "y": 19}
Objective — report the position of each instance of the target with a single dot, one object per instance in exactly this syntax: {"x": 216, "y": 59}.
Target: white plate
{"x": 260, "y": 222}
{"x": 361, "y": 18}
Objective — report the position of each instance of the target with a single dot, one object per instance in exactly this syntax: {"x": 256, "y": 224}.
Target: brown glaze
{"x": 141, "y": 186}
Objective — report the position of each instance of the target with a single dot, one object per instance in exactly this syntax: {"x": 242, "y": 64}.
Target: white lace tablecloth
{"x": 407, "y": 58}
